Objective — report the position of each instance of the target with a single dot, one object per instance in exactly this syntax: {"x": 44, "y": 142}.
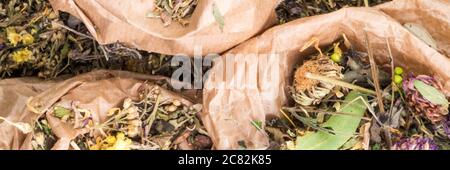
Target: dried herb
{"x": 48, "y": 44}
{"x": 431, "y": 93}
{"x": 308, "y": 91}
{"x": 257, "y": 124}
{"x": 218, "y": 17}
{"x": 424, "y": 95}
{"x": 416, "y": 143}
{"x": 393, "y": 120}
{"x": 289, "y": 10}
{"x": 344, "y": 126}
{"x": 420, "y": 32}
{"x": 61, "y": 112}
{"x": 173, "y": 10}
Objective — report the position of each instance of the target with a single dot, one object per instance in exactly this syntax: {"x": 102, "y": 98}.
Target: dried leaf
{"x": 218, "y": 16}
{"x": 24, "y": 127}
{"x": 420, "y": 32}
{"x": 430, "y": 93}
{"x": 61, "y": 112}
{"x": 257, "y": 124}
{"x": 344, "y": 126}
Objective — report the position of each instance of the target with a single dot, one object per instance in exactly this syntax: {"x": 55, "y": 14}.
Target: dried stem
{"x": 392, "y": 76}
{"x": 73, "y": 31}
{"x": 366, "y": 3}
{"x": 374, "y": 71}
{"x": 339, "y": 83}
{"x": 152, "y": 117}
{"x": 288, "y": 118}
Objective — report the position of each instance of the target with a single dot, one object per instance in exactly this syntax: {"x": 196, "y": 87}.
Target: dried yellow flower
{"x": 122, "y": 143}
{"x": 118, "y": 142}
{"x": 12, "y": 36}
{"x": 94, "y": 147}
{"x": 34, "y": 31}
{"x": 27, "y": 39}
{"x": 22, "y": 56}
{"x": 110, "y": 140}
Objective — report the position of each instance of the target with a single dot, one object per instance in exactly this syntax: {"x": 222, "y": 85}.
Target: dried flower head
{"x": 118, "y": 142}
{"x": 27, "y": 39}
{"x": 13, "y": 37}
{"x": 121, "y": 143}
{"x": 22, "y": 56}
{"x": 308, "y": 91}
{"x": 434, "y": 112}
{"x": 415, "y": 143}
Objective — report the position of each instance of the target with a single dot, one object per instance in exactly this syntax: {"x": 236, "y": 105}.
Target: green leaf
{"x": 344, "y": 126}
{"x": 60, "y": 112}
{"x": 218, "y": 16}
{"x": 257, "y": 124}
{"x": 430, "y": 93}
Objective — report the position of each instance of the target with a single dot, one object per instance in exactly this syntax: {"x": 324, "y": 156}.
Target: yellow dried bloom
{"x": 94, "y": 147}
{"x": 22, "y": 56}
{"x": 12, "y": 36}
{"x": 122, "y": 143}
{"x": 33, "y": 31}
{"x": 118, "y": 142}
{"x": 27, "y": 39}
{"x": 110, "y": 140}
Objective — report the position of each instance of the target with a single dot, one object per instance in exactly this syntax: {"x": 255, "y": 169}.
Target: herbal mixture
{"x": 344, "y": 100}
{"x": 289, "y": 10}
{"x": 341, "y": 98}
{"x": 154, "y": 122}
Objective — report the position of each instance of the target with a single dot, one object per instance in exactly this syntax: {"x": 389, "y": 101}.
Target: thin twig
{"x": 105, "y": 53}
{"x": 392, "y": 76}
{"x": 374, "y": 71}
{"x": 73, "y": 31}
{"x": 287, "y": 117}
{"x": 339, "y": 83}
{"x": 366, "y": 3}
{"x": 152, "y": 117}
{"x": 337, "y": 113}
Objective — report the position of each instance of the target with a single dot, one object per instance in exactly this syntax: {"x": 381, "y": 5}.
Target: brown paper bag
{"x": 433, "y": 15}
{"x": 98, "y": 91}
{"x": 110, "y": 21}
{"x": 272, "y": 56}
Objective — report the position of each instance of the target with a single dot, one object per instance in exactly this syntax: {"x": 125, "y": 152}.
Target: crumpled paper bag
{"x": 433, "y": 15}
{"x": 110, "y": 21}
{"x": 98, "y": 91}
{"x": 272, "y": 56}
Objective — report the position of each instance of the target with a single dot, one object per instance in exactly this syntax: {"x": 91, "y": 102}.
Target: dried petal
{"x": 415, "y": 143}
